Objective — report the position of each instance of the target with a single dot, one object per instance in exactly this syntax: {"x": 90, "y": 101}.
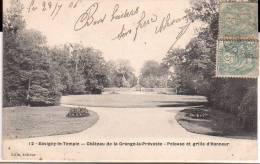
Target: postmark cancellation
{"x": 237, "y": 59}
{"x": 238, "y": 20}
{"x": 237, "y": 46}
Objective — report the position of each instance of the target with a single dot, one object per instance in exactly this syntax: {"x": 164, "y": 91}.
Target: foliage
{"x": 198, "y": 114}
{"x": 27, "y": 72}
{"x": 153, "y": 75}
{"x": 93, "y": 70}
{"x": 194, "y": 69}
{"x": 120, "y": 74}
{"x": 80, "y": 70}
{"x": 37, "y": 75}
{"x": 78, "y": 112}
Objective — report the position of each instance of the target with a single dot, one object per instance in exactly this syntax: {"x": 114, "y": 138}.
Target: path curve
{"x": 135, "y": 125}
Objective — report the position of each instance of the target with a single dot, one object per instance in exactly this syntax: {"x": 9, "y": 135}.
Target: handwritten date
{"x": 51, "y": 6}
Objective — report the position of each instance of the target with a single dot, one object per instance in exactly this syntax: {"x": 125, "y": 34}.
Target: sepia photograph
{"x": 130, "y": 80}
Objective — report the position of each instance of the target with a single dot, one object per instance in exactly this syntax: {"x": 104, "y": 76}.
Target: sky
{"x": 148, "y": 45}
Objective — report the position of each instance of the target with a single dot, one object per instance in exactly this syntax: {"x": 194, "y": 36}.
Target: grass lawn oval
{"x": 26, "y": 122}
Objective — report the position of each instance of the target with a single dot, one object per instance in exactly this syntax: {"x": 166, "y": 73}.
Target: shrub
{"x": 198, "y": 114}
{"x": 78, "y": 88}
{"x": 78, "y": 112}
{"x": 40, "y": 96}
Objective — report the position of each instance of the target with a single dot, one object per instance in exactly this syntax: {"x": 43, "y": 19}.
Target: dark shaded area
{"x": 216, "y": 123}
{"x": 180, "y": 103}
{"x": 1, "y": 18}
{"x": 258, "y": 17}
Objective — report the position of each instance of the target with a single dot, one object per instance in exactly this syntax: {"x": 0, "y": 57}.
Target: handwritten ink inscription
{"x": 93, "y": 16}
{"x": 116, "y": 15}
{"x": 87, "y": 18}
{"x": 52, "y": 7}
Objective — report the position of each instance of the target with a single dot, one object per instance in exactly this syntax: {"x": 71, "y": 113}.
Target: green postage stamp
{"x": 238, "y": 19}
{"x": 237, "y": 49}
{"x": 237, "y": 59}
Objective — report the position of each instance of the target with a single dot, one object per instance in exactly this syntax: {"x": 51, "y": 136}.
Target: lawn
{"x": 133, "y": 100}
{"x": 24, "y": 122}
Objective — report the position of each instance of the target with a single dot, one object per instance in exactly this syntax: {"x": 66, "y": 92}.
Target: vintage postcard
{"x": 130, "y": 80}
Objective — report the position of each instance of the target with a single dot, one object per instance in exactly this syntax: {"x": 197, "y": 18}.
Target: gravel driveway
{"x": 134, "y": 130}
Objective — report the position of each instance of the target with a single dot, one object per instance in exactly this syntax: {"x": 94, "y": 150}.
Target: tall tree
{"x": 26, "y": 64}
{"x": 153, "y": 74}
{"x": 121, "y": 74}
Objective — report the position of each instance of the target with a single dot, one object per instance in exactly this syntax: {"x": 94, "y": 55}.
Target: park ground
{"x": 133, "y": 117}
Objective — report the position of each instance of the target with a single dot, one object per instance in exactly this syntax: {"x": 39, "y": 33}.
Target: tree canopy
{"x": 36, "y": 74}
{"x": 153, "y": 75}
{"x": 195, "y": 69}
